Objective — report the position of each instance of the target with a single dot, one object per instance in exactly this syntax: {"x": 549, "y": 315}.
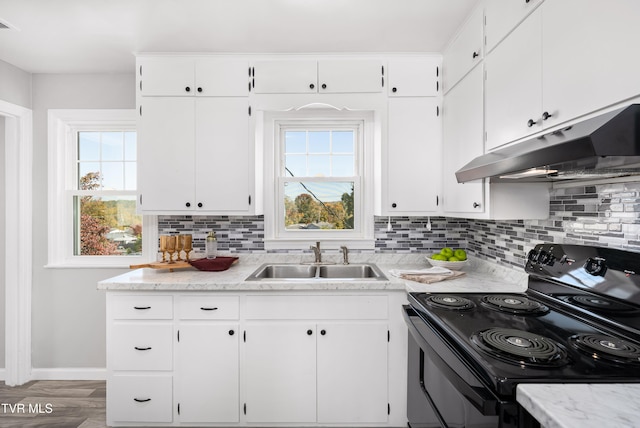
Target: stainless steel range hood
{"x": 603, "y": 146}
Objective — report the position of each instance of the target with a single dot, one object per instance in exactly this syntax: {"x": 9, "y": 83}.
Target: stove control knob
{"x": 546, "y": 258}
{"x": 532, "y": 256}
{"x": 595, "y": 266}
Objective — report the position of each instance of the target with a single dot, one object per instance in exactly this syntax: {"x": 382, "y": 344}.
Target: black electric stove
{"x": 579, "y": 321}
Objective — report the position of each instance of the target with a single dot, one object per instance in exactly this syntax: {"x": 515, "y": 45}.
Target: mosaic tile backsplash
{"x": 601, "y": 215}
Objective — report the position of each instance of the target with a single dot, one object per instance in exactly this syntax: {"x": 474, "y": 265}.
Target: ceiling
{"x": 90, "y": 36}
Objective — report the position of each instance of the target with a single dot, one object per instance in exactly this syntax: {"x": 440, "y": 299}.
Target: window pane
{"x": 89, "y": 177}
{"x": 342, "y": 166}
{"x": 112, "y": 146}
{"x": 296, "y": 166}
{"x": 107, "y": 226}
{"x": 295, "y": 142}
{"x": 319, "y": 141}
{"x": 130, "y": 176}
{"x": 88, "y": 146}
{"x": 319, "y": 166}
{"x": 342, "y": 142}
{"x": 318, "y": 205}
{"x": 130, "y": 146}
{"x": 113, "y": 176}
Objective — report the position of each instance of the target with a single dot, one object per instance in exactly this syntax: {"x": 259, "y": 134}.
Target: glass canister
{"x": 211, "y": 245}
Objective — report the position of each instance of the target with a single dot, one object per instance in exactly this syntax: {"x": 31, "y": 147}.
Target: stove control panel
{"x": 595, "y": 266}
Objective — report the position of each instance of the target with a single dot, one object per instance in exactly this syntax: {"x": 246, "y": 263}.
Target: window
{"x": 93, "y": 189}
{"x": 320, "y": 170}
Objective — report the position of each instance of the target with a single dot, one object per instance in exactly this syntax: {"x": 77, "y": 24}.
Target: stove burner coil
{"x": 521, "y": 347}
{"x": 601, "y": 304}
{"x": 449, "y": 301}
{"x": 607, "y": 348}
{"x": 514, "y": 304}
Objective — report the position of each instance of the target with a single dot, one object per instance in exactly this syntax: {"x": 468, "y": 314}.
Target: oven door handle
{"x": 481, "y": 398}
{"x": 443, "y": 423}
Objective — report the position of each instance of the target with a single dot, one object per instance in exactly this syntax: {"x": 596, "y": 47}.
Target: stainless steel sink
{"x": 314, "y": 272}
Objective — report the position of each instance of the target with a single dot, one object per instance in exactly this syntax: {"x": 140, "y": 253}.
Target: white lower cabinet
{"x": 237, "y": 359}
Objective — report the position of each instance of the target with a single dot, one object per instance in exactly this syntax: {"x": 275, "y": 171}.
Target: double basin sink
{"x": 315, "y": 272}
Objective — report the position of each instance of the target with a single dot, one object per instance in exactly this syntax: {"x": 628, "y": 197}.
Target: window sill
{"x": 93, "y": 264}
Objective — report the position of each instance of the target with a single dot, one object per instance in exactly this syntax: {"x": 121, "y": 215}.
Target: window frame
{"x": 275, "y": 125}
{"x": 64, "y": 126}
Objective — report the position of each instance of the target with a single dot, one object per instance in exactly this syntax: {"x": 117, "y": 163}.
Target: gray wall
{"x": 68, "y": 312}
{"x": 15, "y": 85}
{"x": 2, "y": 243}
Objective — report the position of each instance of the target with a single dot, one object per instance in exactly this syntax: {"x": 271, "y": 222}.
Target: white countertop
{"x": 582, "y": 405}
{"x": 480, "y": 277}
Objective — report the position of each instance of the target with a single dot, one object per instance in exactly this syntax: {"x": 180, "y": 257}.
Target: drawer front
{"x": 317, "y": 307}
{"x": 141, "y": 346}
{"x": 139, "y": 399}
{"x": 138, "y": 307}
{"x": 208, "y": 307}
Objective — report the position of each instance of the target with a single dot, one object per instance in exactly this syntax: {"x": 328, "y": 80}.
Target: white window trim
{"x": 360, "y": 238}
{"x": 63, "y": 126}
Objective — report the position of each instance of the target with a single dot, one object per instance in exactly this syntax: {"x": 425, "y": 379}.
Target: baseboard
{"x": 69, "y": 374}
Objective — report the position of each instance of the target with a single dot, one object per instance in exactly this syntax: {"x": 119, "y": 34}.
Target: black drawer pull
{"x": 309, "y": 332}
{"x": 208, "y": 309}
{"x": 148, "y": 348}
{"x": 141, "y": 308}
{"x": 142, "y": 400}
{"x": 323, "y": 332}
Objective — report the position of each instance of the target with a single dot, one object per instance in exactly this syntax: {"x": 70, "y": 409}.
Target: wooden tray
{"x": 163, "y": 265}
{"x": 223, "y": 263}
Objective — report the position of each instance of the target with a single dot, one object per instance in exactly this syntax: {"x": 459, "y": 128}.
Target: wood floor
{"x": 53, "y": 404}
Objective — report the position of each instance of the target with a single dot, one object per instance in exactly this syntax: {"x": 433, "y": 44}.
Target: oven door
{"x": 442, "y": 391}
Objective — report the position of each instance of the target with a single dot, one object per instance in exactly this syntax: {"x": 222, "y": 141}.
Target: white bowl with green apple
{"x": 449, "y": 258}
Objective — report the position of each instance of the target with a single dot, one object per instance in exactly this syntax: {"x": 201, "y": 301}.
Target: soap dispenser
{"x": 211, "y": 246}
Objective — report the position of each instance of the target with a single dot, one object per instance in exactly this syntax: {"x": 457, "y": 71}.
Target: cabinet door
{"x": 502, "y": 16}
{"x": 350, "y": 76}
{"x": 514, "y": 85}
{"x": 593, "y": 63}
{"x": 207, "y": 375}
{"x": 285, "y": 77}
{"x": 280, "y": 372}
{"x": 463, "y": 129}
{"x": 352, "y": 373}
{"x": 167, "y": 146}
{"x": 167, "y": 76}
{"x": 222, "y": 154}
{"x": 464, "y": 52}
{"x": 414, "y": 164}
{"x": 222, "y": 77}
{"x": 414, "y": 77}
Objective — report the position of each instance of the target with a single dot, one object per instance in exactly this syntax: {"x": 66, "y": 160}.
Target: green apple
{"x": 454, "y": 259}
{"x": 439, "y": 257}
{"x": 447, "y": 252}
{"x": 460, "y": 254}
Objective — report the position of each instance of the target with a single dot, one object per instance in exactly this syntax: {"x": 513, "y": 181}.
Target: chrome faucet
{"x": 345, "y": 255}
{"x": 316, "y": 252}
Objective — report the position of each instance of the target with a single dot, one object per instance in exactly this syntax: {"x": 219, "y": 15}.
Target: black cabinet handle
{"x": 148, "y": 348}
{"x": 142, "y": 400}
{"x": 141, "y": 308}
{"x": 394, "y": 89}
{"x": 526, "y": 1}
{"x": 546, "y": 115}
{"x": 309, "y": 332}
{"x": 188, "y": 204}
{"x": 323, "y": 332}
{"x": 394, "y": 205}
{"x": 199, "y": 204}
{"x": 188, "y": 89}
{"x": 312, "y": 86}
{"x": 476, "y": 205}
{"x": 231, "y": 332}
{"x": 208, "y": 309}
{"x": 324, "y": 86}
{"x": 199, "y": 89}
{"x": 475, "y": 55}
{"x": 531, "y": 122}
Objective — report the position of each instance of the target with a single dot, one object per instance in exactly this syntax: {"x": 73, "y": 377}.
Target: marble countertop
{"x": 582, "y": 405}
{"x": 480, "y": 277}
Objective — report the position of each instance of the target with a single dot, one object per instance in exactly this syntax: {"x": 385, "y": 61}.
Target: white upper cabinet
{"x": 464, "y": 52}
{"x": 324, "y": 76}
{"x": 590, "y": 56}
{"x": 502, "y": 16}
{"x": 513, "y": 96}
{"x": 413, "y": 77}
{"x": 285, "y": 77}
{"x": 188, "y": 76}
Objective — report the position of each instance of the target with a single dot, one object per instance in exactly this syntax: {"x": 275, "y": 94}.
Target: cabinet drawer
{"x": 316, "y": 307}
{"x": 141, "y": 346}
{"x": 139, "y": 399}
{"x": 142, "y": 307}
{"x": 208, "y": 307}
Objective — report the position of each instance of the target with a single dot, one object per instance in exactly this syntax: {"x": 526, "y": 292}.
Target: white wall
{"x": 15, "y": 85}
{"x": 68, "y": 321}
{"x": 2, "y": 237}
